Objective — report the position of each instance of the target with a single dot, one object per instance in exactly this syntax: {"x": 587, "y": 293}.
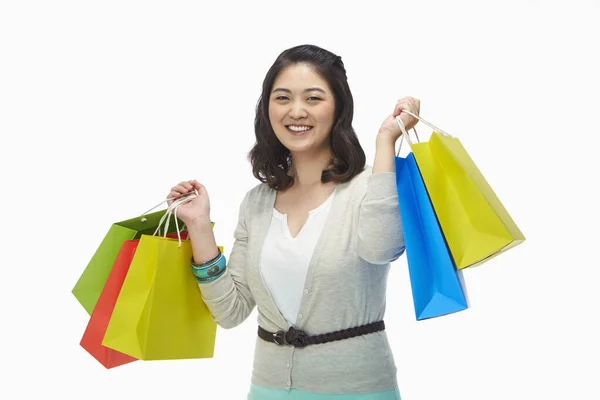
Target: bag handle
{"x": 405, "y": 133}
{"x": 164, "y": 201}
{"x": 435, "y": 128}
{"x": 172, "y": 210}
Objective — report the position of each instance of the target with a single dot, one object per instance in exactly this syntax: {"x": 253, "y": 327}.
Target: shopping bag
{"x": 96, "y": 327}
{"x": 98, "y": 323}
{"x": 476, "y": 225}
{"x": 435, "y": 285}
{"x": 92, "y": 280}
{"x": 160, "y": 314}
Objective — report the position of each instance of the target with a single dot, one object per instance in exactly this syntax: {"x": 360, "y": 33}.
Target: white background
{"x": 106, "y": 105}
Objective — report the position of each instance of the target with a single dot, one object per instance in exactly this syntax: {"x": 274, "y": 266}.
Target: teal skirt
{"x": 263, "y": 393}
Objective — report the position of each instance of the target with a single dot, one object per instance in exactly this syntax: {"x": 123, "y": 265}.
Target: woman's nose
{"x": 297, "y": 110}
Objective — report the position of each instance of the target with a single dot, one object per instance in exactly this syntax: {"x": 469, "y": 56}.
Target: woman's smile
{"x": 298, "y": 130}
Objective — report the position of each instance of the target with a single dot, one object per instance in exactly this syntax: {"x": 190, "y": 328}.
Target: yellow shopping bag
{"x": 159, "y": 314}
{"x": 475, "y": 224}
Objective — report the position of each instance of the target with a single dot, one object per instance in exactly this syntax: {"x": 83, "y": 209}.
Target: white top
{"x": 285, "y": 259}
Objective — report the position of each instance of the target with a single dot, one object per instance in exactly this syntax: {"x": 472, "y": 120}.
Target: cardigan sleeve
{"x": 380, "y": 235}
{"x": 228, "y": 298}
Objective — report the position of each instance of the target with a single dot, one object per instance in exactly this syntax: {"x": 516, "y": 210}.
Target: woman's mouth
{"x": 298, "y": 130}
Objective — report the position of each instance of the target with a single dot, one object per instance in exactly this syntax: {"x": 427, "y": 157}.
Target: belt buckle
{"x": 279, "y": 338}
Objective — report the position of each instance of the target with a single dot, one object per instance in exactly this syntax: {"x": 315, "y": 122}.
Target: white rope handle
{"x": 404, "y": 133}
{"x": 172, "y": 210}
{"x": 164, "y": 201}
{"x": 435, "y": 128}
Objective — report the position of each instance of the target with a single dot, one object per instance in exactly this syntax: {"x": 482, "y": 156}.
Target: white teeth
{"x": 299, "y": 128}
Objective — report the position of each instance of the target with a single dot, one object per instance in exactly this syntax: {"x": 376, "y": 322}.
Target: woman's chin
{"x": 296, "y": 145}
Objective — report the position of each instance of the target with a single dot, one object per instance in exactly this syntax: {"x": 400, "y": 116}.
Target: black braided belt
{"x": 298, "y": 338}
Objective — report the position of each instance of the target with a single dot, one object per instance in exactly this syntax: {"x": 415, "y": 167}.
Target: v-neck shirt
{"x": 285, "y": 259}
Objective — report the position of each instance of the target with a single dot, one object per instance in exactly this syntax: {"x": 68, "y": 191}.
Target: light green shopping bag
{"x": 89, "y": 286}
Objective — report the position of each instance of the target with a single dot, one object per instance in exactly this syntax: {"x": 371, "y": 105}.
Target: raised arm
{"x": 380, "y": 235}
{"x": 228, "y": 297}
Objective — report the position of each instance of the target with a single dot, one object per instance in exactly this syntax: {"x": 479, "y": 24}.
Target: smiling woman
{"x": 307, "y": 106}
{"x": 314, "y": 239}
{"x": 302, "y": 116}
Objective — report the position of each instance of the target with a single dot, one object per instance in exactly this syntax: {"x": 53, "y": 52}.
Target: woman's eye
{"x": 284, "y": 98}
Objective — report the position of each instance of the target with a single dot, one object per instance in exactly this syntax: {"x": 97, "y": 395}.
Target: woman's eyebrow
{"x": 315, "y": 89}
{"x": 312, "y": 89}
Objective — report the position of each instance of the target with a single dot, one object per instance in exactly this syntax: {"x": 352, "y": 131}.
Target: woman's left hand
{"x": 390, "y": 129}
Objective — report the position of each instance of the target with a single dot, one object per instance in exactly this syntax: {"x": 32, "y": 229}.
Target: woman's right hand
{"x": 195, "y": 209}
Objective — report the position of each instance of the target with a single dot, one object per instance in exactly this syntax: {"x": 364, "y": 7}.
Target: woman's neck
{"x": 307, "y": 168}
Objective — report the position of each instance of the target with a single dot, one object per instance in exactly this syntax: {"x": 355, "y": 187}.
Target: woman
{"x": 314, "y": 240}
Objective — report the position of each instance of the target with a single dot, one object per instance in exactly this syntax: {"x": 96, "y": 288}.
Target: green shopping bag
{"x": 89, "y": 286}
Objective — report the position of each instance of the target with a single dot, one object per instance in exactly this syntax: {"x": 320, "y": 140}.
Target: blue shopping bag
{"x": 436, "y": 287}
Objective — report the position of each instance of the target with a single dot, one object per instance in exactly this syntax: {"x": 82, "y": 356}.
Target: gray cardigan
{"x": 345, "y": 287}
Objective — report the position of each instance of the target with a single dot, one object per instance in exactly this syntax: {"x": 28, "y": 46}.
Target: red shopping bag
{"x": 96, "y": 328}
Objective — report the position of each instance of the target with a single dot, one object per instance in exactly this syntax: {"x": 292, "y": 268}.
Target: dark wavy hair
{"x": 271, "y": 160}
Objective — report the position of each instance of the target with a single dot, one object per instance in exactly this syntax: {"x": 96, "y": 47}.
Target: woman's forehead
{"x": 300, "y": 77}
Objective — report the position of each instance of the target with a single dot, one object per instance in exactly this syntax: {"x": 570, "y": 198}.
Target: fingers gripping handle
{"x": 172, "y": 210}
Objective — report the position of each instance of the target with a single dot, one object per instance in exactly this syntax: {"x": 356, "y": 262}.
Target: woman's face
{"x": 301, "y": 109}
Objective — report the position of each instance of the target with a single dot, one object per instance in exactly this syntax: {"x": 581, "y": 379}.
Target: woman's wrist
{"x": 201, "y": 221}
{"x": 385, "y": 139}
{"x": 201, "y": 235}
{"x": 206, "y": 264}
{"x": 384, "y": 154}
